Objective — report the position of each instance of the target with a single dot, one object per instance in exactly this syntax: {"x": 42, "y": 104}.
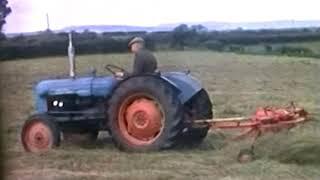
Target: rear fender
{"x": 172, "y": 85}
{"x": 183, "y": 84}
{"x": 186, "y": 84}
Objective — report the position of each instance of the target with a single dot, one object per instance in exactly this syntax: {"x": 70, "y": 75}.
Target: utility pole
{"x": 71, "y": 55}
{"x": 48, "y": 22}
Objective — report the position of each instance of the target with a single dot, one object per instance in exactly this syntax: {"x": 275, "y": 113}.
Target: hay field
{"x": 236, "y": 83}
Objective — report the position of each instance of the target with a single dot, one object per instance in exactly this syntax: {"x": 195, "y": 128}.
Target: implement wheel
{"x": 145, "y": 114}
{"x": 40, "y": 134}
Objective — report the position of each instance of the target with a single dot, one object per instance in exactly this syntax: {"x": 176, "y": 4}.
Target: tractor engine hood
{"x": 79, "y": 86}
{"x": 84, "y": 86}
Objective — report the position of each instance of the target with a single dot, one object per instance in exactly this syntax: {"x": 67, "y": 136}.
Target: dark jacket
{"x": 144, "y": 62}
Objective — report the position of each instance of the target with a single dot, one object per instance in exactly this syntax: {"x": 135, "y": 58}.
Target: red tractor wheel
{"x": 145, "y": 114}
{"x": 39, "y": 134}
{"x": 140, "y": 119}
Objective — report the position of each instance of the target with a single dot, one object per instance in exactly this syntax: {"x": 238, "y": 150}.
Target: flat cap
{"x": 136, "y": 40}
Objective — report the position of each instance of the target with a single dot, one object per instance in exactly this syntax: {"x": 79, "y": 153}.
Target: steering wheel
{"x": 115, "y": 69}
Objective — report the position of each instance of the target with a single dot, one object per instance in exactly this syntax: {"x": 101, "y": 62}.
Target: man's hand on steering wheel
{"x": 117, "y": 72}
{"x": 119, "y": 75}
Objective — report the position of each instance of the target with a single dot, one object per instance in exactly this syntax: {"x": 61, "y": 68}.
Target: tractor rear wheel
{"x": 199, "y": 107}
{"x": 145, "y": 114}
{"x": 40, "y": 134}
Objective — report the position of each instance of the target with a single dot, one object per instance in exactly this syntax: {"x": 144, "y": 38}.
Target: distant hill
{"x": 211, "y": 25}
{"x": 117, "y": 28}
{"x": 261, "y": 25}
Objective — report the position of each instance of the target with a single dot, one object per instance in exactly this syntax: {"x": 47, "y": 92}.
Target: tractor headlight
{"x": 55, "y": 103}
{"x": 60, "y": 104}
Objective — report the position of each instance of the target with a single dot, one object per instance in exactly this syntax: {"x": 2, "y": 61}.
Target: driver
{"x": 144, "y": 60}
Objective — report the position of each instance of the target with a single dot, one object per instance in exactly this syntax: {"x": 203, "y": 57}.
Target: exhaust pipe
{"x": 71, "y": 55}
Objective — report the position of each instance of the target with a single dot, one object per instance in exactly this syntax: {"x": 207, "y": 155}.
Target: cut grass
{"x": 236, "y": 84}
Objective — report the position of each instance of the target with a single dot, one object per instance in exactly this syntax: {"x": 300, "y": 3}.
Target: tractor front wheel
{"x": 40, "y": 134}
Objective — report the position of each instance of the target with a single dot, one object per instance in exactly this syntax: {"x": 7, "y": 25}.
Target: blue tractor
{"x": 141, "y": 112}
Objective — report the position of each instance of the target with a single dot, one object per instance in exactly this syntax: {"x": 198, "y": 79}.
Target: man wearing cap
{"x": 144, "y": 60}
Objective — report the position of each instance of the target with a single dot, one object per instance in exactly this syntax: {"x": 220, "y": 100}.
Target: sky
{"x": 30, "y": 15}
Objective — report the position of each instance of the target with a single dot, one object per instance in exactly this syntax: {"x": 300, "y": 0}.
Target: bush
{"x": 214, "y": 45}
{"x": 294, "y": 51}
{"x": 268, "y": 48}
{"x": 56, "y": 44}
{"x": 236, "y": 48}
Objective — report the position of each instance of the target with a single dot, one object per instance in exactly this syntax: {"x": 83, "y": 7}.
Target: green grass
{"x": 314, "y": 46}
{"x": 236, "y": 84}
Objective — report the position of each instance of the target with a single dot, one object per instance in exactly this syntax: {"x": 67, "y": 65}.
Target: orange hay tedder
{"x": 265, "y": 119}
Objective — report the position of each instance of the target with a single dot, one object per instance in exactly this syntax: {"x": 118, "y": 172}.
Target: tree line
{"x": 49, "y": 43}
